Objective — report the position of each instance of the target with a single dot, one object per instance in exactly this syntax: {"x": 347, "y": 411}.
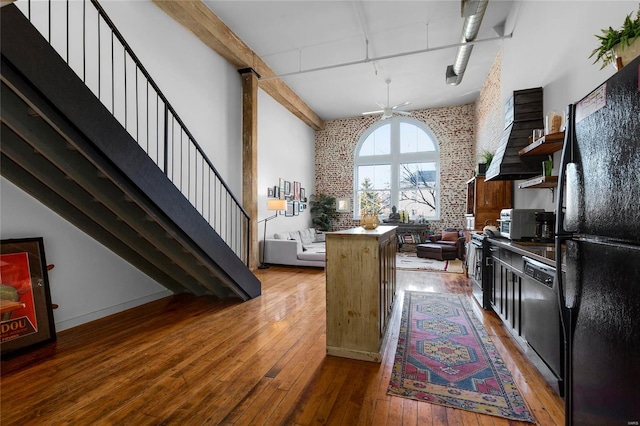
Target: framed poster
{"x": 25, "y": 300}
{"x": 287, "y": 187}
{"x": 296, "y": 208}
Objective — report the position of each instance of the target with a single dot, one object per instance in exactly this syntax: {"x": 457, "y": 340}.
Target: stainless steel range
{"x": 480, "y": 267}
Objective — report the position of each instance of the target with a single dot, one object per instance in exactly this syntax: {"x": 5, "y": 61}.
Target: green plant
{"x": 486, "y": 157}
{"x": 323, "y": 209}
{"x": 370, "y": 202}
{"x": 625, "y": 36}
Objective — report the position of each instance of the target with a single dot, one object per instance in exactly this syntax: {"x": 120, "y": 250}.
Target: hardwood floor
{"x": 191, "y": 361}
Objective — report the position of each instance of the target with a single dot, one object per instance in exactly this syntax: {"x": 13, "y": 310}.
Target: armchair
{"x": 451, "y": 237}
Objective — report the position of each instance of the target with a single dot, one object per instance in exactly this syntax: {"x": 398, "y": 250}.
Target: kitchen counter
{"x": 542, "y": 252}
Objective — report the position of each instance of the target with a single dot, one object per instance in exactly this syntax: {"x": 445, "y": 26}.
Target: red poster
{"x": 17, "y": 305}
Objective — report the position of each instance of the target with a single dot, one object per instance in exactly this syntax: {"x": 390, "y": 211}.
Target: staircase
{"x": 172, "y": 217}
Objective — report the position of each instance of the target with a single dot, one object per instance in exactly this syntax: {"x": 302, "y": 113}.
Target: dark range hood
{"x": 523, "y": 114}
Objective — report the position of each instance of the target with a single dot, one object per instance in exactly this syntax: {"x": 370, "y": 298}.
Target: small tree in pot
{"x": 323, "y": 209}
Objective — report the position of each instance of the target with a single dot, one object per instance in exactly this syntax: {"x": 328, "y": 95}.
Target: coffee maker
{"x": 545, "y": 224}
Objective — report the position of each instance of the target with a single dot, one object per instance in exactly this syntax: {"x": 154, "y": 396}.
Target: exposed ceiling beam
{"x": 201, "y": 21}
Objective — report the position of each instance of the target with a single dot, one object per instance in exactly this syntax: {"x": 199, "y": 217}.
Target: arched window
{"x": 397, "y": 164}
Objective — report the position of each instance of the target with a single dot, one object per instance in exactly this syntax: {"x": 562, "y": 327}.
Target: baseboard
{"x": 92, "y": 316}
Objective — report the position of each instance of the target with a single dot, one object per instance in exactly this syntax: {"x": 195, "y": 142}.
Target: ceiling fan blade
{"x": 373, "y": 112}
{"x": 381, "y": 105}
{"x": 401, "y": 112}
{"x": 401, "y": 105}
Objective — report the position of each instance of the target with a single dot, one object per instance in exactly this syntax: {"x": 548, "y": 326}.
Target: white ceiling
{"x": 291, "y": 36}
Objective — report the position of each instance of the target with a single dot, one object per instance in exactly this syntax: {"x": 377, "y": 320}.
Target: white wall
{"x": 89, "y": 281}
{"x": 285, "y": 150}
{"x": 550, "y": 48}
{"x": 203, "y": 88}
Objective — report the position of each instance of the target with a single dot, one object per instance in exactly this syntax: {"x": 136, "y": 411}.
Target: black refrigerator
{"x": 598, "y": 253}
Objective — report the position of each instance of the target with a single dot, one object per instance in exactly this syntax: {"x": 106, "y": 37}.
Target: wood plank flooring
{"x": 194, "y": 361}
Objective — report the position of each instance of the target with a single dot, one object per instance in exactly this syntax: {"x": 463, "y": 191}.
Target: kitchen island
{"x": 361, "y": 289}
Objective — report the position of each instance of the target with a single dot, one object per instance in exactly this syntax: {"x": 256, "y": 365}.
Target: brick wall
{"x": 453, "y": 128}
{"x": 489, "y": 111}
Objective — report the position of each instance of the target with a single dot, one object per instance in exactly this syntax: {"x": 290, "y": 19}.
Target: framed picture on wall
{"x": 276, "y": 192}
{"x": 289, "y": 211}
{"x": 296, "y": 208}
{"x": 303, "y": 195}
{"x": 25, "y": 299}
{"x": 281, "y": 191}
{"x": 287, "y": 187}
{"x": 296, "y": 190}
{"x": 270, "y": 192}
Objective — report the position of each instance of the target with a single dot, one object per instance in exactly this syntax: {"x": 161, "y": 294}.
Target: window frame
{"x": 395, "y": 158}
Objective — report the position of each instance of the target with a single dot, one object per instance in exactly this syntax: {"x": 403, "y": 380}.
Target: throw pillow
{"x": 449, "y": 235}
{"x": 306, "y": 236}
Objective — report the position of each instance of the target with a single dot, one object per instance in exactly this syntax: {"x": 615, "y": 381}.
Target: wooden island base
{"x": 361, "y": 287}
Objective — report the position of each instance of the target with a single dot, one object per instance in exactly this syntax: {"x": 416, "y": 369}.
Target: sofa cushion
{"x": 282, "y": 236}
{"x": 450, "y": 235}
{"x": 310, "y": 255}
{"x": 295, "y": 235}
{"x": 307, "y": 235}
{"x": 315, "y": 247}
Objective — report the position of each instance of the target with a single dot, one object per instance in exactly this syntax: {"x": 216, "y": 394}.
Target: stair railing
{"x": 86, "y": 38}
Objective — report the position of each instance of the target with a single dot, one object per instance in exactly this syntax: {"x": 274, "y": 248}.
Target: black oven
{"x": 480, "y": 266}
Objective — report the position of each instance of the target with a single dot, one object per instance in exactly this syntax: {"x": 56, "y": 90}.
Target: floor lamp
{"x": 272, "y": 205}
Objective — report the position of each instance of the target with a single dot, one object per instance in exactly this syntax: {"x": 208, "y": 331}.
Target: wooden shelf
{"x": 546, "y": 145}
{"x": 540, "y": 182}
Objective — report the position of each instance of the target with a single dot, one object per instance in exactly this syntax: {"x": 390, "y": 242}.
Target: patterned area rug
{"x": 446, "y": 357}
{"x": 413, "y": 262}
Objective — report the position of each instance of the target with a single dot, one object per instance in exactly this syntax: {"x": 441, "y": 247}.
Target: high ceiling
{"x": 293, "y": 36}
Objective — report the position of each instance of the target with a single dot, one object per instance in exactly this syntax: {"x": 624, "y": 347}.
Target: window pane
{"x": 418, "y": 193}
{"x": 414, "y": 139}
{"x": 417, "y": 175}
{"x": 375, "y": 201}
{"x": 419, "y": 204}
{"x": 378, "y": 142}
{"x": 374, "y": 177}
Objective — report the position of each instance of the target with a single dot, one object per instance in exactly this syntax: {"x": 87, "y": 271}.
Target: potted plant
{"x": 622, "y": 43}
{"x": 484, "y": 161}
{"x": 323, "y": 209}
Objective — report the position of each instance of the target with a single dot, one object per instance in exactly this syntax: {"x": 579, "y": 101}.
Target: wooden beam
{"x": 250, "y": 157}
{"x": 201, "y": 21}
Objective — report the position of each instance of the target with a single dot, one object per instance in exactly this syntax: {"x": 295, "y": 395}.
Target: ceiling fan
{"x": 388, "y": 111}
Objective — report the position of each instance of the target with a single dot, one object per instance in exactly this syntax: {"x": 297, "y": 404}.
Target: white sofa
{"x": 304, "y": 247}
